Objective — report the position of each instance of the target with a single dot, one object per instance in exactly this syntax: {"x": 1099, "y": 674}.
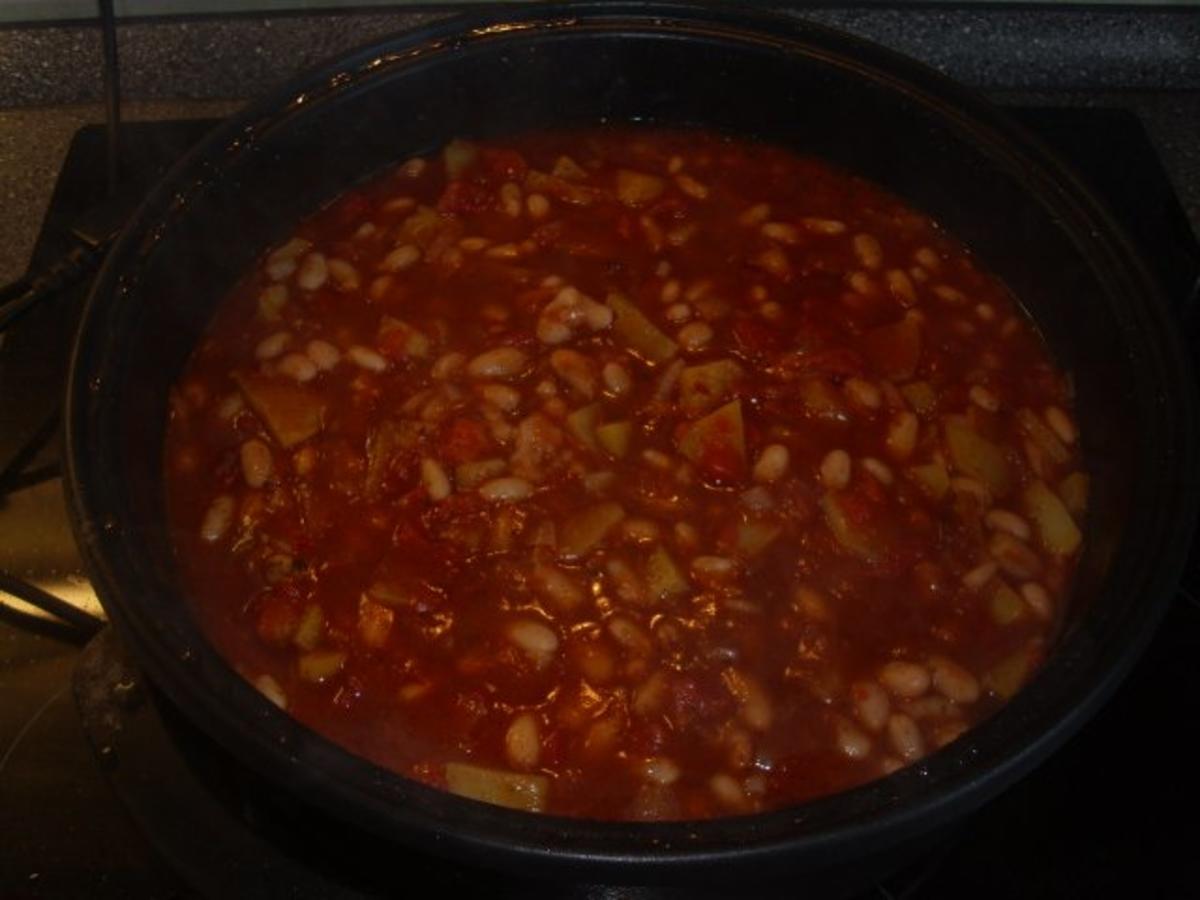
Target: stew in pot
{"x": 627, "y": 474}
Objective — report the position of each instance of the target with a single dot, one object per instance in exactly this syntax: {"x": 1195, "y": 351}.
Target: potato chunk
{"x": 638, "y": 333}
{"x": 703, "y": 387}
{"x": 1056, "y": 529}
{"x": 515, "y": 790}
{"x": 638, "y": 188}
{"x": 291, "y": 412}
{"x": 717, "y": 443}
{"x": 978, "y": 457}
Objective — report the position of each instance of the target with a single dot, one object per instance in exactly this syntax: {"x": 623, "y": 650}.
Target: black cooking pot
{"x": 938, "y": 146}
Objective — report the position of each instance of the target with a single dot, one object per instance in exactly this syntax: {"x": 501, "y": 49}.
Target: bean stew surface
{"x": 626, "y": 474}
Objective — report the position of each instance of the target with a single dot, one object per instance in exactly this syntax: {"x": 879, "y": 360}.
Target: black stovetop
{"x": 107, "y": 791}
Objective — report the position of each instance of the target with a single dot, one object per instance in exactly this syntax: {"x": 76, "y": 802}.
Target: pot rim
{"x": 878, "y": 814}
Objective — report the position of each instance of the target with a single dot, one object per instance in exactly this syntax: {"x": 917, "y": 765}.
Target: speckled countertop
{"x": 1148, "y": 61}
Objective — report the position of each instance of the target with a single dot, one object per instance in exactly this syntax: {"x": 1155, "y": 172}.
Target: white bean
{"x": 713, "y": 568}
{"x": 272, "y": 345}
{"x": 1038, "y": 599}
{"x": 878, "y": 469}
{"x": 694, "y": 336}
{"x": 344, "y": 274}
{"x": 905, "y": 679}
{"x": 691, "y": 187}
{"x": 501, "y": 362}
{"x": 560, "y": 588}
{"x": 298, "y": 367}
{"x": 1061, "y": 423}
{"x": 868, "y": 251}
{"x": 400, "y": 258}
{"x": 510, "y": 199}
{"x": 506, "y": 489}
{"x": 448, "y": 365}
{"x": 686, "y": 536}
{"x": 282, "y": 262}
{"x": 256, "y": 462}
{"x": 502, "y": 396}
{"x": 538, "y": 206}
{"x": 901, "y": 287}
{"x": 323, "y": 354}
{"x": 871, "y": 704}
{"x": 862, "y": 393}
{"x": 435, "y": 480}
{"x": 678, "y": 313}
{"x": 827, "y": 227}
{"x": 852, "y": 743}
{"x": 771, "y": 311}
{"x": 756, "y": 703}
{"x": 366, "y": 358}
{"x": 979, "y": 576}
{"x": 927, "y": 258}
{"x": 313, "y": 272}
{"x": 953, "y": 681}
{"x": 835, "y": 469}
{"x": 902, "y": 434}
{"x": 1014, "y": 557}
{"x": 522, "y": 741}
{"x": 1010, "y": 522}
{"x": 905, "y": 736}
{"x": 862, "y": 283}
{"x": 670, "y": 292}
{"x": 948, "y": 294}
{"x": 661, "y": 770}
{"x": 772, "y": 463}
{"x": 641, "y": 531}
{"x": 781, "y": 231}
{"x": 755, "y": 215}
{"x": 567, "y": 313}
{"x": 630, "y": 635}
{"x": 217, "y": 519}
{"x": 539, "y": 641}
{"x": 984, "y": 398}
{"x": 727, "y": 790}
{"x": 230, "y": 407}
{"x": 757, "y": 499}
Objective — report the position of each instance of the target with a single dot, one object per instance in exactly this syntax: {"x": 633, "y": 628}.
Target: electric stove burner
{"x": 1090, "y": 822}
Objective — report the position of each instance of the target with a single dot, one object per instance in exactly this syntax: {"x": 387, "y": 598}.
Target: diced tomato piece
{"x": 278, "y": 615}
{"x": 503, "y": 165}
{"x": 627, "y": 226}
{"x": 858, "y": 505}
{"x": 351, "y": 209}
{"x": 700, "y": 699}
{"x": 669, "y": 207}
{"x": 464, "y": 440}
{"x": 430, "y": 773}
{"x": 840, "y": 362}
{"x": 756, "y": 337}
{"x": 461, "y": 197}
{"x": 719, "y": 461}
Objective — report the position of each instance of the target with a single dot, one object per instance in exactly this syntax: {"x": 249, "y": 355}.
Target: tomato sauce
{"x": 626, "y": 474}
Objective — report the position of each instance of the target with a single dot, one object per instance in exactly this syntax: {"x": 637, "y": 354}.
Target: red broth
{"x": 626, "y": 474}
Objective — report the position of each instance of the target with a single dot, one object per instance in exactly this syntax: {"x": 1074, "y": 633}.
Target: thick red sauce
{"x": 626, "y": 474}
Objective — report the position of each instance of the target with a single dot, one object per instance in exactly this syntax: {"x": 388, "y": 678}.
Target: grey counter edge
{"x": 240, "y": 56}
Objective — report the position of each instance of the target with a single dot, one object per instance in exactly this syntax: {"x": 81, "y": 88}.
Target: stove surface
{"x": 105, "y": 789}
